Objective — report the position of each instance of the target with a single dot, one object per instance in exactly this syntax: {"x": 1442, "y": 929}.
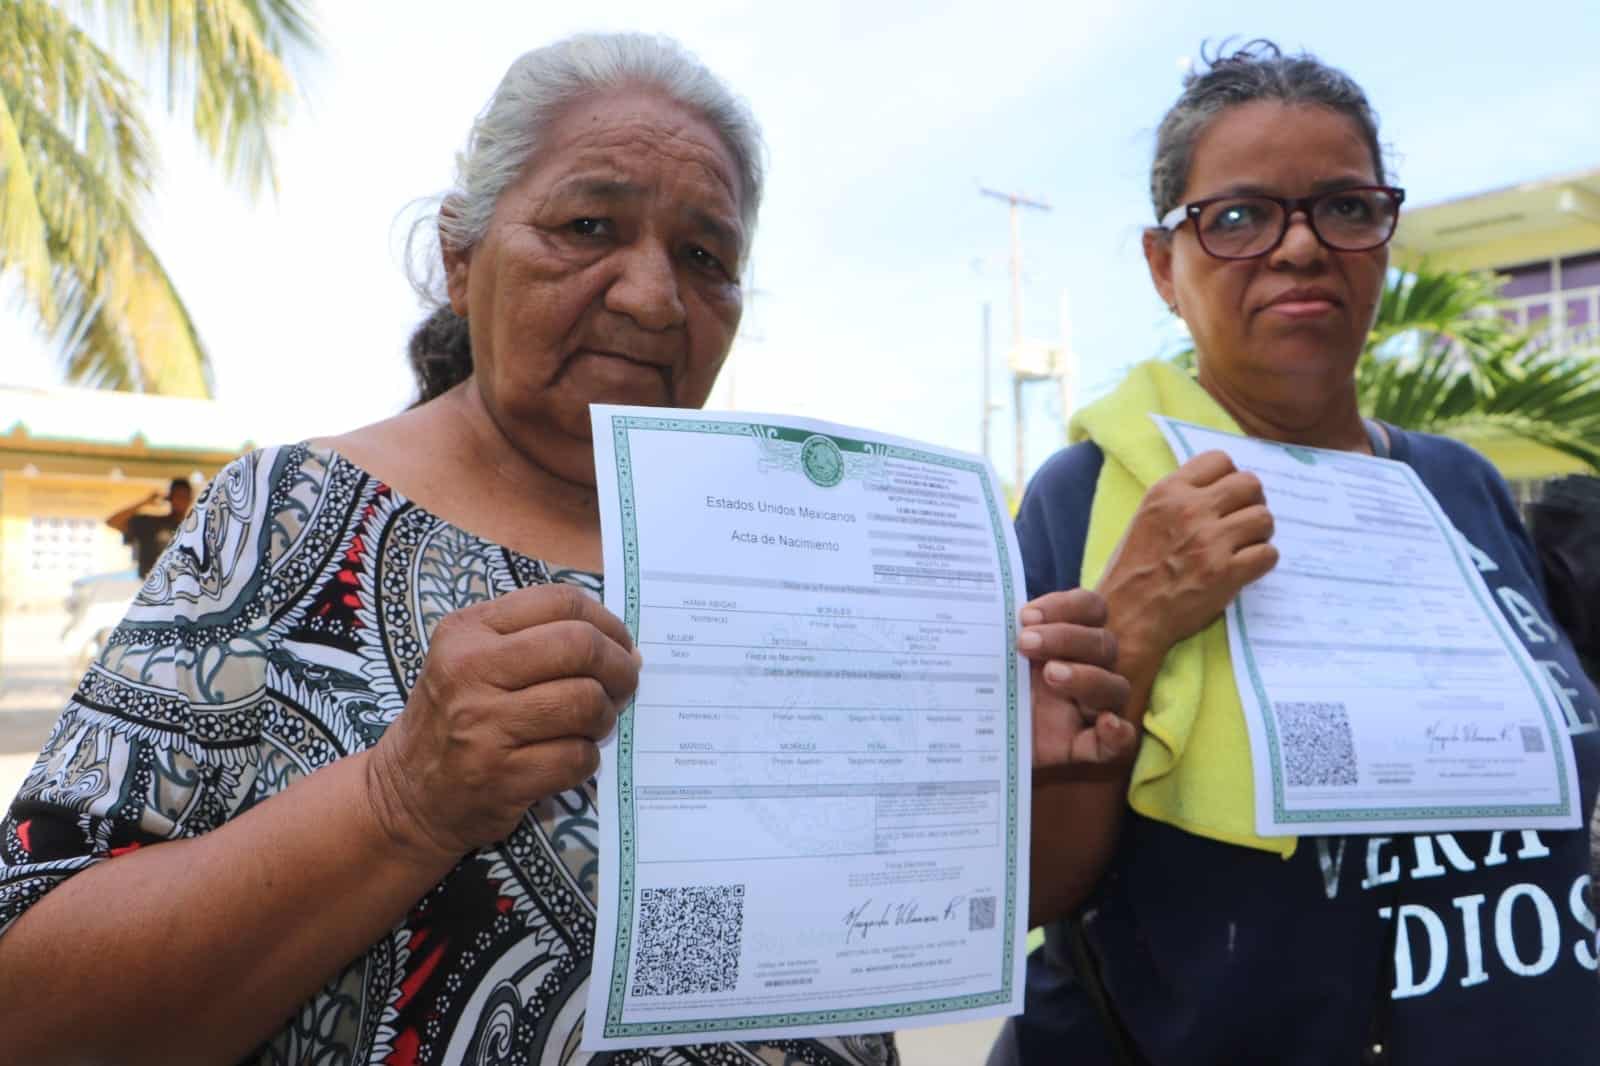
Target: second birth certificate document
{"x": 814, "y": 814}
{"x": 1383, "y": 689}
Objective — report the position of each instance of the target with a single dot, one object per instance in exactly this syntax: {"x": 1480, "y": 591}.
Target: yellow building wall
{"x": 1574, "y": 239}
{"x": 1525, "y": 461}
{"x": 54, "y": 499}
{"x": 53, "y": 531}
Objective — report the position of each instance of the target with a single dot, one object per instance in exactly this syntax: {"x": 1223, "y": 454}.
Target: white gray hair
{"x": 535, "y": 90}
{"x": 1256, "y": 70}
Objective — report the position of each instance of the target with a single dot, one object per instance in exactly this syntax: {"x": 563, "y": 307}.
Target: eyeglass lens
{"x": 1350, "y": 221}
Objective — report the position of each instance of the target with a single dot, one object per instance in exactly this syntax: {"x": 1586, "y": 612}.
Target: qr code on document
{"x": 1318, "y": 747}
{"x": 980, "y": 913}
{"x": 689, "y": 940}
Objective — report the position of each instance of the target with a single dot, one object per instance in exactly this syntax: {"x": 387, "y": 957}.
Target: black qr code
{"x": 689, "y": 940}
{"x": 1532, "y": 740}
{"x": 1318, "y": 748}
{"x": 980, "y": 913}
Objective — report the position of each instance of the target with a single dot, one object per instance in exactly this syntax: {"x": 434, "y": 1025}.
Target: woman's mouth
{"x": 1303, "y": 303}
{"x": 621, "y": 369}
{"x": 1303, "y": 308}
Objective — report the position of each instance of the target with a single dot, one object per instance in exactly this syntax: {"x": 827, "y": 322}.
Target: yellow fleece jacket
{"x": 1193, "y": 766}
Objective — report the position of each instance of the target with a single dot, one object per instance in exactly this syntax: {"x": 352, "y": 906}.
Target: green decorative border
{"x": 627, "y": 828}
{"x": 1497, "y": 619}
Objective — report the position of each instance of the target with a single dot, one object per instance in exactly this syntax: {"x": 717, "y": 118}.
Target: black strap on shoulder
{"x": 1087, "y": 968}
{"x": 1377, "y": 438}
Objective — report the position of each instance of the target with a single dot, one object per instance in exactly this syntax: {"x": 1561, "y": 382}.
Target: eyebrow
{"x": 1325, "y": 185}
{"x": 600, "y": 189}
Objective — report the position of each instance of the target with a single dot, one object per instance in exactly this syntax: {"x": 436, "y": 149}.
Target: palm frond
{"x": 119, "y": 320}
{"x": 1584, "y": 447}
{"x": 1554, "y": 384}
{"x": 1414, "y": 392}
{"x": 228, "y": 64}
{"x": 23, "y": 243}
{"x": 76, "y": 161}
{"x": 1521, "y": 385}
{"x": 72, "y": 82}
{"x": 1442, "y": 303}
{"x": 58, "y": 88}
{"x": 135, "y": 332}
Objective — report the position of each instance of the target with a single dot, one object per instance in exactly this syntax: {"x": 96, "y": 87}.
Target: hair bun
{"x": 440, "y": 353}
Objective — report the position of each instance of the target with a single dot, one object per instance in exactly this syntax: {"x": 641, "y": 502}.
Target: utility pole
{"x": 1066, "y": 363}
{"x": 1015, "y": 202}
{"x": 988, "y": 404}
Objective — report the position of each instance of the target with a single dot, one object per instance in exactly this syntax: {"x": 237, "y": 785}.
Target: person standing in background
{"x": 151, "y": 533}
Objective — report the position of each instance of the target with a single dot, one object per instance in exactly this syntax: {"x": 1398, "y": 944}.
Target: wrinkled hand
{"x": 1199, "y": 536}
{"x": 513, "y": 697}
{"x": 1077, "y": 695}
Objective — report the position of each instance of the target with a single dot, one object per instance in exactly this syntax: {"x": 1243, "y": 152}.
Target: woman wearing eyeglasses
{"x": 1174, "y": 933}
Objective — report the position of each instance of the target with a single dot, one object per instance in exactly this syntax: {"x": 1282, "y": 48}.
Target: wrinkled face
{"x": 609, "y": 274}
{"x": 1297, "y": 317}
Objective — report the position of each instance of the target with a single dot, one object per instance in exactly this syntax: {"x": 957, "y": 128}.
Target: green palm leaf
{"x": 117, "y": 319}
{"x": 1441, "y": 360}
{"x": 76, "y": 161}
{"x": 23, "y": 241}
{"x": 227, "y": 63}
{"x": 1585, "y": 447}
{"x": 53, "y": 76}
{"x": 1441, "y": 303}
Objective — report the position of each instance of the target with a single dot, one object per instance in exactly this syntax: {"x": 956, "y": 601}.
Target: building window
{"x": 1525, "y": 279}
{"x": 1562, "y": 296}
{"x": 1580, "y": 271}
{"x": 62, "y": 546}
{"x": 1580, "y": 289}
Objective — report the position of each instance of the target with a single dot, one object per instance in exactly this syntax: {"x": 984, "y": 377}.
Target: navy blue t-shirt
{"x": 1216, "y": 954}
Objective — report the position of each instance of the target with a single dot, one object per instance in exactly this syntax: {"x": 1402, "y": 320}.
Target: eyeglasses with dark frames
{"x": 1243, "y": 226}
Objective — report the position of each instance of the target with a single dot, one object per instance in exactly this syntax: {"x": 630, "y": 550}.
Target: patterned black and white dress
{"x": 281, "y": 631}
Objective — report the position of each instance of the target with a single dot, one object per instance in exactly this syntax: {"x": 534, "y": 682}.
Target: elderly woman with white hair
{"x": 327, "y": 795}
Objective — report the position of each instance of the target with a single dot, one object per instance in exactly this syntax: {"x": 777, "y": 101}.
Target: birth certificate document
{"x": 814, "y": 813}
{"x": 1383, "y": 689}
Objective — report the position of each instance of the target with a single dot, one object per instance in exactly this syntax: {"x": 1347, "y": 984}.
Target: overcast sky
{"x": 875, "y": 251}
